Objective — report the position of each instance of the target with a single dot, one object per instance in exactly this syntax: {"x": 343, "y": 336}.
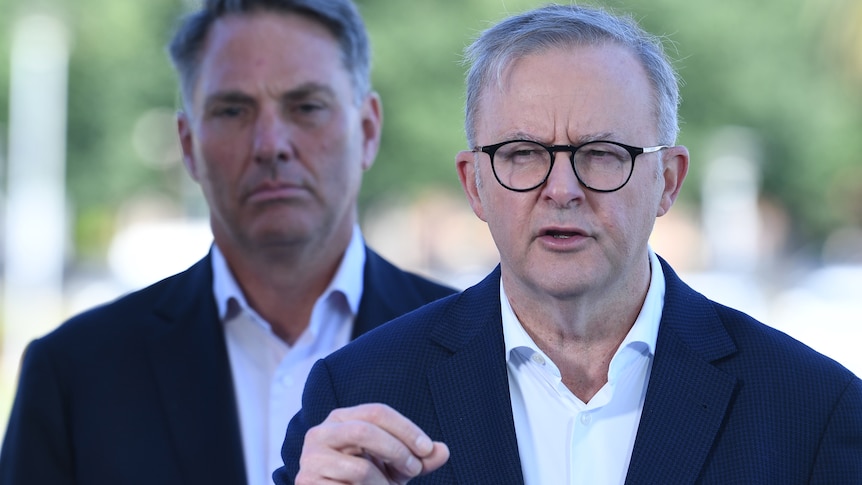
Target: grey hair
{"x": 555, "y": 26}
{"x": 340, "y": 17}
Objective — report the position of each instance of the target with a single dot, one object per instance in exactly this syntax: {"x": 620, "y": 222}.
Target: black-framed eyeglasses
{"x": 601, "y": 166}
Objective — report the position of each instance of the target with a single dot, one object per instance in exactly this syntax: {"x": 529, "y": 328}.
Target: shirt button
{"x": 287, "y": 381}
{"x": 538, "y": 359}
{"x": 586, "y": 418}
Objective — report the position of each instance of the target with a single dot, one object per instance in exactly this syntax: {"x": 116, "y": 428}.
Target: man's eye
{"x": 310, "y": 113}
{"x": 597, "y": 153}
{"x": 228, "y": 111}
{"x": 309, "y": 108}
{"x": 524, "y": 153}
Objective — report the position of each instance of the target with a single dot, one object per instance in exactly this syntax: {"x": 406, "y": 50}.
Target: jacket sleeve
{"x": 839, "y": 457}
{"x": 37, "y": 447}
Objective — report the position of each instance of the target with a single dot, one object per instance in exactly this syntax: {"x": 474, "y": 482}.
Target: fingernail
{"x": 414, "y": 466}
{"x": 424, "y": 444}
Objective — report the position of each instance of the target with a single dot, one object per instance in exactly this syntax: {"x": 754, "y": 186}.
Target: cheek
{"x": 332, "y": 145}
{"x": 332, "y": 161}
{"x": 336, "y": 166}
{"x": 637, "y": 214}
{"x": 618, "y": 213}
{"x": 219, "y": 161}
{"x": 217, "y": 142}
{"x": 507, "y": 216}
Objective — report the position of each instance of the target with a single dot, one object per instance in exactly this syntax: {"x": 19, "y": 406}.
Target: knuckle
{"x": 358, "y": 432}
{"x": 314, "y": 434}
{"x": 364, "y": 470}
{"x": 379, "y": 413}
{"x": 337, "y": 414}
{"x": 376, "y": 412}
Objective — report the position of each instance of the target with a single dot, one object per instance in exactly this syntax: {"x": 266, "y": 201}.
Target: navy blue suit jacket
{"x": 139, "y": 391}
{"x": 729, "y": 401}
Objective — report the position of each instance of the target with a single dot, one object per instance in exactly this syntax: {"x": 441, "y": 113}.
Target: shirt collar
{"x": 514, "y": 335}
{"x": 641, "y": 338}
{"x": 225, "y": 287}
{"x": 350, "y": 275}
{"x": 348, "y": 280}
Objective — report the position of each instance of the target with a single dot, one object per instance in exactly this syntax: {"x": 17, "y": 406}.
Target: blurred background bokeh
{"x": 94, "y": 200}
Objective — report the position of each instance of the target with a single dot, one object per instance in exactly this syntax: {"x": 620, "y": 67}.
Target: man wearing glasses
{"x": 582, "y": 358}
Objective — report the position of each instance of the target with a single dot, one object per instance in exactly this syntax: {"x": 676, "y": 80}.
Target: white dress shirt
{"x": 561, "y": 439}
{"x": 268, "y": 374}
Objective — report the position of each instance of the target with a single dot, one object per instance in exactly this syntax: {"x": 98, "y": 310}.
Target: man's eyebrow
{"x": 228, "y": 97}
{"x": 604, "y": 136}
{"x": 521, "y": 135}
{"x": 298, "y": 93}
{"x": 308, "y": 89}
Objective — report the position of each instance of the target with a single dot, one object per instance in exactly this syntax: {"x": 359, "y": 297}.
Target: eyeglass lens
{"x": 523, "y": 165}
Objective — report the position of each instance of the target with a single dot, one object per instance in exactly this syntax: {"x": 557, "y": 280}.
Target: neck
{"x": 582, "y": 333}
{"x": 283, "y": 285}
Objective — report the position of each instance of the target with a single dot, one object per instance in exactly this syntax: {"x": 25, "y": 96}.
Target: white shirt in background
{"x": 269, "y": 375}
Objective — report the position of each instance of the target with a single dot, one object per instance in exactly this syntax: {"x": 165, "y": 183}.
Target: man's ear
{"x": 372, "y": 124}
{"x": 674, "y": 169}
{"x": 184, "y": 130}
{"x": 468, "y": 166}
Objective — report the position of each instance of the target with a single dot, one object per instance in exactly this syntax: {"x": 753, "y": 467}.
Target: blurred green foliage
{"x": 788, "y": 69}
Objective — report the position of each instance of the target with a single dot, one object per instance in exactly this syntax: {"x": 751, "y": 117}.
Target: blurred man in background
{"x": 193, "y": 379}
{"x": 583, "y": 358}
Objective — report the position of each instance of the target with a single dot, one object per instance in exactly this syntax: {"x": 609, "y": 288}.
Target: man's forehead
{"x": 583, "y": 90}
{"x": 581, "y": 56}
{"x": 226, "y": 27}
{"x": 238, "y": 55}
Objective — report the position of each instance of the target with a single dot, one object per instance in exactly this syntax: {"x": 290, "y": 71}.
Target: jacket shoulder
{"x": 127, "y": 316}
{"x": 381, "y": 272}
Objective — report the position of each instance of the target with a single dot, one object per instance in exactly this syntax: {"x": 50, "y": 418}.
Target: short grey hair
{"x": 554, "y": 26}
{"x": 340, "y": 17}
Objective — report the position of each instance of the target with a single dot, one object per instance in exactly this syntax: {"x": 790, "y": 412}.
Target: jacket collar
{"x": 687, "y": 397}
{"x": 472, "y": 387}
{"x": 188, "y": 356}
{"x": 685, "y": 388}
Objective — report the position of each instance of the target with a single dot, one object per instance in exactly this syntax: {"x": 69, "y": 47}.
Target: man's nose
{"x": 272, "y": 138}
{"x": 562, "y": 185}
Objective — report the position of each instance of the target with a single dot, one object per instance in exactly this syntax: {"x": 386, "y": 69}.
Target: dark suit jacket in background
{"x": 729, "y": 401}
{"x": 139, "y": 391}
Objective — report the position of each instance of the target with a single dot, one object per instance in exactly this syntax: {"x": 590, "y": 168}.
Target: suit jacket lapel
{"x": 376, "y": 305}
{"x": 387, "y": 292}
{"x": 687, "y": 397}
{"x": 686, "y": 402}
{"x": 192, "y": 373}
{"x": 471, "y": 390}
